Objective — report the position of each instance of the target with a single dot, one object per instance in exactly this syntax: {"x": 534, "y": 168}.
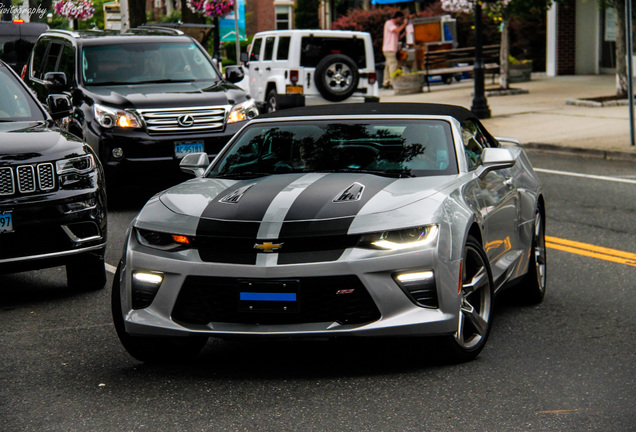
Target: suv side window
{"x": 269, "y": 48}
{"x": 67, "y": 63}
{"x": 283, "y": 48}
{"x": 51, "y": 59}
{"x": 256, "y": 50}
{"x": 38, "y": 58}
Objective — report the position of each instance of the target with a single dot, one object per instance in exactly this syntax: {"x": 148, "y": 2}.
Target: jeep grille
{"x": 183, "y": 120}
{"x": 26, "y": 179}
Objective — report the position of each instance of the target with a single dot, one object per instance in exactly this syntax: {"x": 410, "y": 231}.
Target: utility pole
{"x": 630, "y": 67}
{"x": 480, "y": 104}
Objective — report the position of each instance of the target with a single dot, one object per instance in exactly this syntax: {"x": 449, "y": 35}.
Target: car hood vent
{"x": 352, "y": 193}
{"x": 235, "y": 196}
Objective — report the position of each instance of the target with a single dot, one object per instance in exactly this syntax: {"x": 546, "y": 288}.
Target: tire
{"x": 152, "y": 349}
{"x": 533, "y": 286}
{"x": 270, "y": 104}
{"x": 87, "y": 272}
{"x": 336, "y": 77}
{"x": 476, "y": 308}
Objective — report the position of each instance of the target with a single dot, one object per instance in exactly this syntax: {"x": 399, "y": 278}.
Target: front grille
{"x": 341, "y": 299}
{"x": 236, "y": 250}
{"x": 183, "y": 120}
{"x": 26, "y": 179}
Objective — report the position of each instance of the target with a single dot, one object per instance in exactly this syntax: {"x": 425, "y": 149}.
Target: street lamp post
{"x": 480, "y": 104}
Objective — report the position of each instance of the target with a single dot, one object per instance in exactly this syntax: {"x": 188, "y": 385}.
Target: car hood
{"x": 29, "y": 142}
{"x": 287, "y": 205}
{"x": 167, "y": 94}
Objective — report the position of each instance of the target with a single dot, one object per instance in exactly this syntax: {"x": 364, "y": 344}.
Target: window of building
{"x": 283, "y": 17}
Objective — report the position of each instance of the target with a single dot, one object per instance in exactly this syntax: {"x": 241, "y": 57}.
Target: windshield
{"x": 136, "y": 63}
{"x": 400, "y": 148}
{"x": 15, "y": 103}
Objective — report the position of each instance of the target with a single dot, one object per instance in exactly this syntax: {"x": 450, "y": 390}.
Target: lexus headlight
{"x": 78, "y": 165}
{"x": 407, "y": 238}
{"x": 110, "y": 117}
{"x": 244, "y": 111}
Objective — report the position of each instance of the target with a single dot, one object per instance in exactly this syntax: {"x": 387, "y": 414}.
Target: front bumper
{"x": 380, "y": 307}
{"x": 52, "y": 229}
{"x": 140, "y": 149}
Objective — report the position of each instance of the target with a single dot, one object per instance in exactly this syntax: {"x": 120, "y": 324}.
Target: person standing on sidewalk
{"x": 393, "y": 28}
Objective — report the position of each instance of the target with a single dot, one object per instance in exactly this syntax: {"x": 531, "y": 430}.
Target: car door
{"x": 499, "y": 204}
{"x": 255, "y": 67}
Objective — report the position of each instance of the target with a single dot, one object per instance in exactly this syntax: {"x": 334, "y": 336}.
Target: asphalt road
{"x": 568, "y": 364}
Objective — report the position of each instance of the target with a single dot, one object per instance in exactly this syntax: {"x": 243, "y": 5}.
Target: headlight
{"x": 244, "y": 111}
{"x": 78, "y": 165}
{"x": 163, "y": 241}
{"x": 109, "y": 117}
{"x": 401, "y": 239}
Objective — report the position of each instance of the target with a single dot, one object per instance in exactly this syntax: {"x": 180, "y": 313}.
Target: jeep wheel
{"x": 270, "y": 103}
{"x": 336, "y": 77}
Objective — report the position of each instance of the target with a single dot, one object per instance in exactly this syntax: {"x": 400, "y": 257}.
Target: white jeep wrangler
{"x": 290, "y": 68}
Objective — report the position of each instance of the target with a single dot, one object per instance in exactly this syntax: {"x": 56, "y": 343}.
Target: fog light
{"x": 144, "y": 288}
{"x": 420, "y": 287}
{"x": 118, "y": 153}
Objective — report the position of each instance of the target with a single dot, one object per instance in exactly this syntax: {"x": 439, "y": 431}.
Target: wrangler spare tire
{"x": 336, "y": 77}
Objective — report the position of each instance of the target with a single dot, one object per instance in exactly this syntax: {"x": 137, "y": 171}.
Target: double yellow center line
{"x": 591, "y": 250}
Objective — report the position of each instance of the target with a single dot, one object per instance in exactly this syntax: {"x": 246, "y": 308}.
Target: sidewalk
{"x": 541, "y": 118}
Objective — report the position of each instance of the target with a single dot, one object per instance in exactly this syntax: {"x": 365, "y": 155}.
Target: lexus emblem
{"x": 185, "y": 120}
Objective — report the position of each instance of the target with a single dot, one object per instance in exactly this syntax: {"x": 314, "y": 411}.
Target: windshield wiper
{"x": 163, "y": 81}
{"x": 396, "y": 174}
{"x": 246, "y": 174}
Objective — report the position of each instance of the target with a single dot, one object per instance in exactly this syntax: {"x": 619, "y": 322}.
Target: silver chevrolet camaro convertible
{"x": 355, "y": 220}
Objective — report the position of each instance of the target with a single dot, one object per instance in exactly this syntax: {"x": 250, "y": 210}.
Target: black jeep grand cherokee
{"x": 147, "y": 96}
{"x": 52, "y": 197}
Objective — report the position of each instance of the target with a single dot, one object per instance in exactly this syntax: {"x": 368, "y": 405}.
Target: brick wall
{"x": 260, "y": 15}
{"x": 566, "y": 38}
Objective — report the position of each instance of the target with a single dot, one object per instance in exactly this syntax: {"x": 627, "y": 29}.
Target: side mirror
{"x": 495, "y": 159}
{"x": 194, "y": 163}
{"x": 508, "y": 140}
{"x": 244, "y": 57}
{"x": 234, "y": 74}
{"x": 55, "y": 81}
{"x": 59, "y": 106}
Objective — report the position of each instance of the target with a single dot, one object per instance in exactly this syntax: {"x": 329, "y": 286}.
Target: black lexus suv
{"x": 52, "y": 196}
{"x": 145, "y": 97}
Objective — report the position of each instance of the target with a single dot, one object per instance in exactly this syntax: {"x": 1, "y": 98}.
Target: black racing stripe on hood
{"x": 228, "y": 229}
{"x": 318, "y": 228}
{"x": 253, "y": 204}
{"x": 317, "y": 201}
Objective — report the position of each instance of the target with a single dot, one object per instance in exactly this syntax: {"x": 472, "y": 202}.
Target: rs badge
{"x": 268, "y": 246}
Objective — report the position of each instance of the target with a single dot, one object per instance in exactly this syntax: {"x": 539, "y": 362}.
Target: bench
{"x": 449, "y": 62}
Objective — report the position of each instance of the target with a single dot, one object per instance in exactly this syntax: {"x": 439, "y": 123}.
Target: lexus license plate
{"x": 184, "y": 148}
{"x": 6, "y": 221}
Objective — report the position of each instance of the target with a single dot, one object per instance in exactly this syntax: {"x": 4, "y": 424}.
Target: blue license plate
{"x": 181, "y": 149}
{"x": 6, "y": 221}
{"x": 269, "y": 296}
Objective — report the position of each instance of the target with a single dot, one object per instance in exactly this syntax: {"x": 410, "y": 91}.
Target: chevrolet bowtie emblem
{"x": 268, "y": 246}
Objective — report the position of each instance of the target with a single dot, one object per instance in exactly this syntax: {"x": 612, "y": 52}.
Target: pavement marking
{"x": 110, "y": 268}
{"x": 588, "y": 176}
{"x": 592, "y": 251}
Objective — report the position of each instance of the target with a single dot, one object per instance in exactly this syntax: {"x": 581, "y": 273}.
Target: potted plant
{"x": 407, "y": 83}
{"x": 520, "y": 70}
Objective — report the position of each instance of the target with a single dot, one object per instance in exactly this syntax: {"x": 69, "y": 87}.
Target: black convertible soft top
{"x": 458, "y": 112}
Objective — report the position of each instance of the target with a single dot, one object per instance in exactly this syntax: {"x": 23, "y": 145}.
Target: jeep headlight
{"x": 407, "y": 238}
{"x": 77, "y": 165}
{"x": 110, "y": 117}
{"x": 244, "y": 111}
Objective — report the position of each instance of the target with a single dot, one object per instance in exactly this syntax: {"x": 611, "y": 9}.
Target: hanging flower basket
{"x": 211, "y": 8}
{"x": 80, "y": 10}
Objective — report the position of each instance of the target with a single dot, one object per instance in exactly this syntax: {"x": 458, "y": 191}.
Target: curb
{"x": 629, "y": 156}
